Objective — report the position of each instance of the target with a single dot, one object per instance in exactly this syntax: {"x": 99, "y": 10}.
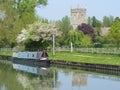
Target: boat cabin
{"x": 41, "y": 55}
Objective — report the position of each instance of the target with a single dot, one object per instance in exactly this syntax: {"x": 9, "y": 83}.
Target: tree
{"x": 98, "y": 38}
{"x": 89, "y": 21}
{"x": 86, "y": 41}
{"x": 114, "y": 33}
{"x": 98, "y": 23}
{"x": 106, "y": 21}
{"x": 37, "y": 35}
{"x": 75, "y": 37}
{"x": 79, "y": 39}
{"x": 7, "y": 23}
{"x": 111, "y": 20}
{"x": 117, "y": 18}
{"x": 86, "y": 29}
{"x": 18, "y": 14}
{"x": 94, "y": 21}
{"x": 64, "y": 28}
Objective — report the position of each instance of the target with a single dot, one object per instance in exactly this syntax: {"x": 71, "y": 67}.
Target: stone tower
{"x": 78, "y": 16}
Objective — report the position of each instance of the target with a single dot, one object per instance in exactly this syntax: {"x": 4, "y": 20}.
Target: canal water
{"x": 31, "y": 77}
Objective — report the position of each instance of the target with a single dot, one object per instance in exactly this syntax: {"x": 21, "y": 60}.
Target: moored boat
{"x": 40, "y": 57}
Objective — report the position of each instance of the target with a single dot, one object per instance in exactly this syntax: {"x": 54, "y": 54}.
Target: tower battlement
{"x": 78, "y": 10}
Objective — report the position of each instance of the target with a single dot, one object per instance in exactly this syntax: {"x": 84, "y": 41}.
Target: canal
{"x": 14, "y": 76}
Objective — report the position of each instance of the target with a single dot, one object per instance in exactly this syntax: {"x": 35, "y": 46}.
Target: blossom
{"x": 38, "y": 31}
{"x": 22, "y": 36}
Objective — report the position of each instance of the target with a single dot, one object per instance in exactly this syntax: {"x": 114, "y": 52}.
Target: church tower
{"x": 78, "y": 16}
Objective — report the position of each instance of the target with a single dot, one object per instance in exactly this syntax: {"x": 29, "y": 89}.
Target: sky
{"x": 57, "y": 9}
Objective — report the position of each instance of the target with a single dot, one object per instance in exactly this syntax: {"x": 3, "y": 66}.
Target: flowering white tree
{"x": 22, "y": 36}
{"x": 38, "y": 32}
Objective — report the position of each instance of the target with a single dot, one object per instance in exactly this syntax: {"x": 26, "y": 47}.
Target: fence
{"x": 108, "y": 51}
{"x": 99, "y": 50}
{"x": 6, "y": 51}
{"x": 114, "y": 51}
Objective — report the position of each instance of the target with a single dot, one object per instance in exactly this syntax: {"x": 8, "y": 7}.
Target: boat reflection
{"x": 34, "y": 77}
{"x": 31, "y": 68}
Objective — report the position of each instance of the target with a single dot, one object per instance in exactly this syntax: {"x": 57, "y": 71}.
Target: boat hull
{"x": 37, "y": 62}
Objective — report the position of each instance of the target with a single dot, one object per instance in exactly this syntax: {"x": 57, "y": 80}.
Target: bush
{"x": 98, "y": 45}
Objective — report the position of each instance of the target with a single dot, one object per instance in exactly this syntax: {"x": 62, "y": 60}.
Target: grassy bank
{"x": 80, "y": 57}
{"x": 87, "y": 58}
{"x": 8, "y": 53}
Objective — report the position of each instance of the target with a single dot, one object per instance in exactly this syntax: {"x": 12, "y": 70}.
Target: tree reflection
{"x": 18, "y": 80}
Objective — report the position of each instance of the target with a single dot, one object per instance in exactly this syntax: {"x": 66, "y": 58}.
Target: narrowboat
{"x": 40, "y": 57}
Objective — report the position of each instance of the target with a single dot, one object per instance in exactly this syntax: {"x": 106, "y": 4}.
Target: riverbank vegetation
{"x": 81, "y": 57}
{"x": 86, "y": 58}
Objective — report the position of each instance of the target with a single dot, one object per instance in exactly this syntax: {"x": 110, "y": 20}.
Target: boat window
{"x": 28, "y": 55}
{"x": 32, "y": 55}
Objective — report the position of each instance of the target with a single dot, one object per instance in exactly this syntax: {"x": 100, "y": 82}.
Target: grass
{"x": 9, "y": 53}
{"x": 80, "y": 57}
{"x": 87, "y": 58}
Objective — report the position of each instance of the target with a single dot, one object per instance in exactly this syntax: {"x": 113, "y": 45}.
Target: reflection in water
{"x": 44, "y": 78}
{"x": 106, "y": 77}
{"x": 31, "y": 69}
{"x": 3, "y": 87}
{"x": 79, "y": 79}
{"x": 38, "y": 78}
{"x": 20, "y": 76}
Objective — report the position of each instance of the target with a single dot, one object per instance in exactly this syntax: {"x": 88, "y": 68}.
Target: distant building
{"x": 78, "y": 16}
{"x": 104, "y": 31}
